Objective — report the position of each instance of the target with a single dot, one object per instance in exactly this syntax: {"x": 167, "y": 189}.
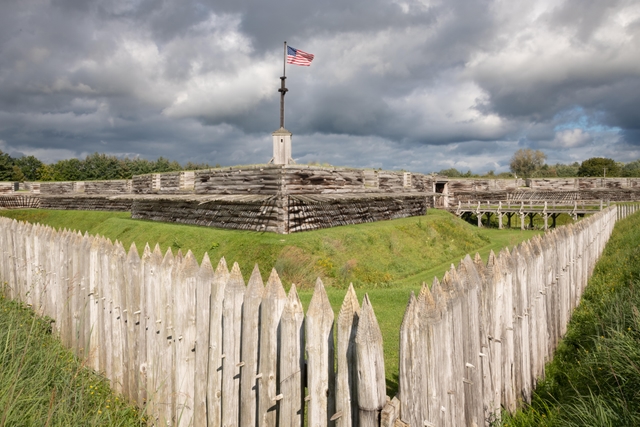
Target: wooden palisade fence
{"x": 195, "y": 346}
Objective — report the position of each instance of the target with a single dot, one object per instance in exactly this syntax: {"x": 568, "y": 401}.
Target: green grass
{"x": 43, "y": 384}
{"x": 388, "y": 259}
{"x": 594, "y": 378}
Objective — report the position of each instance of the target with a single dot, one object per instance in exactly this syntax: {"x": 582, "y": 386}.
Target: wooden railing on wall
{"x": 196, "y": 346}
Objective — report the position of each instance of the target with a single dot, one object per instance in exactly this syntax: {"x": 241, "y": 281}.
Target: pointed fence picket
{"x": 198, "y": 347}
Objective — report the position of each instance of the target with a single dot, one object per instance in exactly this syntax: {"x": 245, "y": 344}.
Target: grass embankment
{"x": 43, "y": 384}
{"x": 594, "y": 378}
{"x": 387, "y": 259}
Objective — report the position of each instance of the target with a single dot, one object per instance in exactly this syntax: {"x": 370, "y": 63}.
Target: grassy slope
{"x": 388, "y": 259}
{"x": 42, "y": 384}
{"x": 594, "y": 379}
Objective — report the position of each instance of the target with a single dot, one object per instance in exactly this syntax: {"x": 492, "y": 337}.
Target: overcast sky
{"x": 405, "y": 84}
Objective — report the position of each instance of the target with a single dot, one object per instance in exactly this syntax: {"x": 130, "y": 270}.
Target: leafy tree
{"x": 599, "y": 166}
{"x": 68, "y": 170}
{"x": 451, "y": 173}
{"x": 190, "y": 166}
{"x": 6, "y": 167}
{"x": 631, "y": 169}
{"x": 565, "y": 171}
{"x": 46, "y": 173}
{"x": 29, "y": 165}
{"x": 16, "y": 174}
{"x": 526, "y": 161}
{"x": 165, "y": 165}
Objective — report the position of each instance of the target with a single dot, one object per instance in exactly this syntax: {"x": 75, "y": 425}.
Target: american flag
{"x": 298, "y": 57}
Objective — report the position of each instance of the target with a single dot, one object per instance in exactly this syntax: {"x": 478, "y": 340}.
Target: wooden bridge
{"x": 529, "y": 209}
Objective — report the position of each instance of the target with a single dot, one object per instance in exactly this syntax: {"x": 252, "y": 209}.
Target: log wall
{"x": 7, "y": 187}
{"x": 300, "y": 179}
{"x": 114, "y": 186}
{"x": 19, "y": 201}
{"x": 280, "y": 214}
{"x": 62, "y": 187}
{"x": 581, "y": 183}
{"x": 308, "y": 212}
{"x": 469, "y": 345}
{"x": 257, "y": 213}
{"x": 86, "y": 203}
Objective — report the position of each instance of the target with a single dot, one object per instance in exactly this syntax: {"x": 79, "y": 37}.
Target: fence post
{"x": 250, "y": 339}
{"x": 291, "y": 362}
{"x": 273, "y": 303}
{"x": 214, "y": 380}
{"x": 164, "y": 336}
{"x": 320, "y": 356}
{"x": 346, "y": 377}
{"x": 231, "y": 336}
{"x": 203, "y": 315}
{"x": 370, "y": 364}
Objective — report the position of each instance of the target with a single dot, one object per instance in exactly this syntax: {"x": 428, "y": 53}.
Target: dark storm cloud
{"x": 413, "y": 84}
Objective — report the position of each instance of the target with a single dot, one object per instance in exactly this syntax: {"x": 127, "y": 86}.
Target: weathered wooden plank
{"x": 135, "y": 333}
{"x": 507, "y": 340}
{"x": 370, "y": 365}
{"x": 105, "y": 306}
{"x": 231, "y": 341}
{"x": 273, "y": 303}
{"x": 214, "y": 372}
{"x": 152, "y": 271}
{"x": 346, "y": 377}
{"x": 116, "y": 274}
{"x": 291, "y": 385}
{"x": 184, "y": 316}
{"x": 164, "y": 328}
{"x": 203, "y": 316}
{"x": 320, "y": 356}
{"x": 249, "y": 349}
{"x": 454, "y": 324}
{"x": 409, "y": 392}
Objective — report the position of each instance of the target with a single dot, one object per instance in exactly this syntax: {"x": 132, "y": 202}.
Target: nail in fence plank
{"x": 291, "y": 386}
{"x": 492, "y": 302}
{"x": 273, "y": 303}
{"x": 370, "y": 365}
{"x": 443, "y": 358}
{"x": 203, "y": 315}
{"x": 185, "y": 330}
{"x": 231, "y": 340}
{"x": 164, "y": 327}
{"x": 507, "y": 339}
{"x": 472, "y": 381}
{"x": 346, "y": 377}
{"x": 412, "y": 411}
{"x": 249, "y": 349}
{"x": 453, "y": 330}
{"x": 320, "y": 357}
{"x": 117, "y": 324}
{"x": 94, "y": 306}
{"x": 152, "y": 265}
{"x": 429, "y": 313}
{"x": 214, "y": 372}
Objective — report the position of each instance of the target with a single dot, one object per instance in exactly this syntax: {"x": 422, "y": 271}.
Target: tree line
{"x": 93, "y": 167}
{"x": 528, "y": 163}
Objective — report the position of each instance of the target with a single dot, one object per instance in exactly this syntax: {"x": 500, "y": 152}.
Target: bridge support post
{"x": 521, "y": 220}
{"x": 546, "y": 221}
{"x": 500, "y": 221}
